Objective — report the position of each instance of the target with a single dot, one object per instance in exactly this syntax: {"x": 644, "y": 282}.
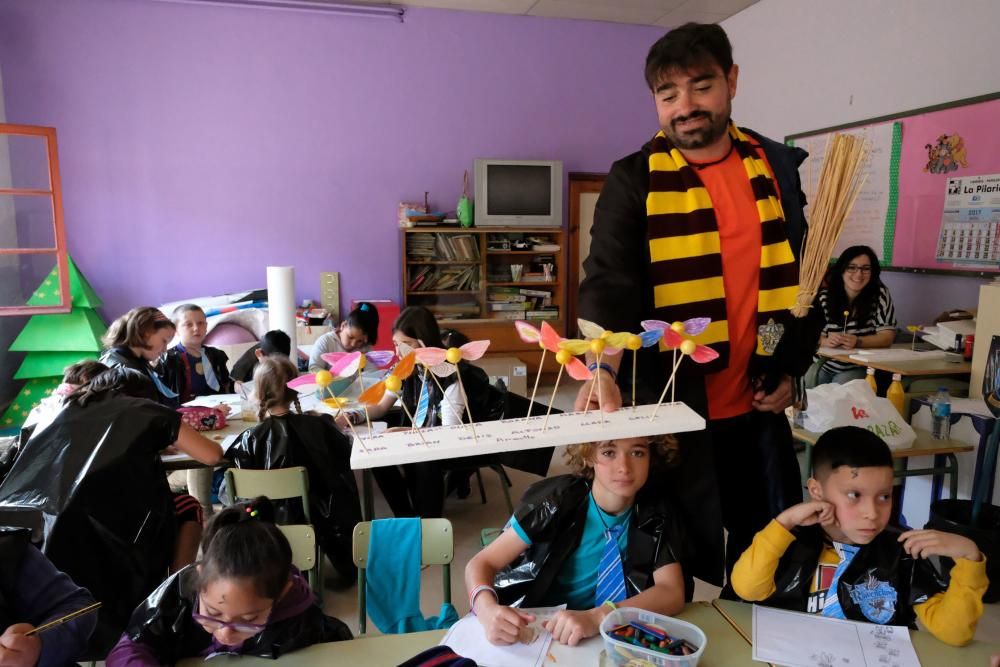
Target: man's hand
{"x": 777, "y": 400}
{"x": 846, "y": 341}
{"x": 569, "y": 627}
{"x": 606, "y": 394}
{"x": 807, "y": 514}
{"x": 17, "y": 650}
{"x": 502, "y": 624}
{"x": 925, "y": 543}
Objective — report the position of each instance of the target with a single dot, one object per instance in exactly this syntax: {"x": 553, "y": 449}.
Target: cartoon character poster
{"x": 946, "y": 154}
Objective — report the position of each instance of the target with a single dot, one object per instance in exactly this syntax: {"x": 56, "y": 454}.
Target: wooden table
{"x": 928, "y": 367}
{"x": 925, "y": 445}
{"x": 725, "y": 648}
{"x": 931, "y": 651}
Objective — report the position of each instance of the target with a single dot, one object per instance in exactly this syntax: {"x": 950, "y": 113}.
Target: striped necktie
{"x": 831, "y": 604}
{"x": 422, "y": 404}
{"x": 611, "y": 578}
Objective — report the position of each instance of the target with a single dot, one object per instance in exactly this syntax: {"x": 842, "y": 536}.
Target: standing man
{"x": 706, "y": 221}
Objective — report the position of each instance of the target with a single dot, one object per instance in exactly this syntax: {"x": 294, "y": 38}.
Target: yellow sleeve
{"x": 952, "y": 615}
{"x": 753, "y": 574}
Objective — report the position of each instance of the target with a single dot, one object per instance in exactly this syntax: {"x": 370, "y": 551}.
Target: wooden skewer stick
{"x": 600, "y": 405}
{"x": 444, "y": 396}
{"x": 590, "y": 394}
{"x": 673, "y": 385}
{"x": 468, "y": 410}
{"x": 670, "y": 383}
{"x": 538, "y": 376}
{"x": 368, "y": 420}
{"x": 413, "y": 424}
{"x": 635, "y": 360}
{"x": 65, "y": 619}
{"x": 551, "y": 400}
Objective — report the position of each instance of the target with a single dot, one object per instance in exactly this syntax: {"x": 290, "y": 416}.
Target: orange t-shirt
{"x": 729, "y": 391}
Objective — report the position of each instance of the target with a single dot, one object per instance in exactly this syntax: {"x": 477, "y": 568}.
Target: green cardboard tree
{"x": 53, "y": 342}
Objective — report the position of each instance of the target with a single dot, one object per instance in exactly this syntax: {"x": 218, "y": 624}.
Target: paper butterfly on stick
{"x": 549, "y": 341}
{"x": 442, "y": 363}
{"x": 393, "y": 382}
{"x": 321, "y": 381}
{"x": 676, "y": 338}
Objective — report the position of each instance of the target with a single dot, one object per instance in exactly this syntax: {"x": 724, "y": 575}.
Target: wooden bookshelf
{"x": 467, "y": 301}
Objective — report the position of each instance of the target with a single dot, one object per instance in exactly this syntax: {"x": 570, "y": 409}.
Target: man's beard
{"x": 700, "y": 137}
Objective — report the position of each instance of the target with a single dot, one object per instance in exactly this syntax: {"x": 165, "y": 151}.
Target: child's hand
{"x": 569, "y": 627}
{"x": 925, "y": 543}
{"x": 995, "y": 660}
{"x": 807, "y": 514}
{"x": 224, "y": 409}
{"x": 502, "y": 624}
{"x": 17, "y": 650}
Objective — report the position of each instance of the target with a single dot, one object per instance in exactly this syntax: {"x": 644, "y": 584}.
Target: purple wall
{"x": 254, "y": 137}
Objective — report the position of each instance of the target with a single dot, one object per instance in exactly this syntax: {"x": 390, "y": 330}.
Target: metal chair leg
{"x": 482, "y": 489}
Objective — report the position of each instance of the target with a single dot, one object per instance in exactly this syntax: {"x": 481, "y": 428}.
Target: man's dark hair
{"x": 849, "y": 446}
{"x": 276, "y": 342}
{"x": 687, "y": 47}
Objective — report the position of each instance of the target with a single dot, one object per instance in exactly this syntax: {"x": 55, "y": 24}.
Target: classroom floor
{"x": 470, "y": 516}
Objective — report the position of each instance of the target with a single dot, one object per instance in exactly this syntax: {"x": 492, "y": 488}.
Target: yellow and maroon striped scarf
{"x": 685, "y": 250}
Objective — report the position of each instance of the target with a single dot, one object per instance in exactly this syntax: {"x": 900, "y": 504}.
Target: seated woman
{"x": 91, "y": 482}
{"x": 853, "y": 287}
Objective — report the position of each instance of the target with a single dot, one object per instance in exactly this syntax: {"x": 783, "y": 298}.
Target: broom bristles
{"x": 840, "y": 181}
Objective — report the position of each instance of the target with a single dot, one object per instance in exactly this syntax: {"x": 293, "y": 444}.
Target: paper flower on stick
{"x": 442, "y": 363}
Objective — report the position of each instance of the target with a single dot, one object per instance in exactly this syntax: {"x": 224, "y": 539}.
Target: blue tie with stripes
{"x": 422, "y": 404}
{"x": 611, "y": 576}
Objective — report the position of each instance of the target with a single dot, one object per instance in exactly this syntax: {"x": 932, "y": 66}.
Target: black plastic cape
{"x": 553, "y": 512}
{"x": 91, "y": 485}
{"x": 886, "y": 581}
{"x": 315, "y": 442}
{"x": 164, "y": 623}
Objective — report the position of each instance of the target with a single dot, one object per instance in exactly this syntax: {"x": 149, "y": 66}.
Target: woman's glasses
{"x": 214, "y": 625}
{"x": 854, "y": 268}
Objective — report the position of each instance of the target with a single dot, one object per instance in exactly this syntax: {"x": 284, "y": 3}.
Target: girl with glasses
{"x": 243, "y": 598}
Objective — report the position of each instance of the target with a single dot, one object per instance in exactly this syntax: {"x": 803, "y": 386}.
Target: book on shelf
{"x": 534, "y": 292}
{"x": 515, "y": 305}
{"x": 546, "y": 314}
{"x": 431, "y": 278}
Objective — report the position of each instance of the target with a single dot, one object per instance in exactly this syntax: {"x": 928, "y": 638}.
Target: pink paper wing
{"x": 474, "y": 349}
{"x": 696, "y": 325}
{"x": 304, "y": 384}
{"x": 672, "y": 339}
{"x": 704, "y": 354}
{"x": 550, "y": 339}
{"x": 444, "y": 369}
{"x": 381, "y": 358}
{"x": 654, "y": 325}
{"x": 430, "y": 356}
{"x": 347, "y": 366}
{"x": 578, "y": 370}
{"x": 528, "y": 333}
{"x": 333, "y": 357}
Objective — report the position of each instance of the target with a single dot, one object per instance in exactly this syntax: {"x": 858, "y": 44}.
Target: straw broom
{"x": 840, "y": 181}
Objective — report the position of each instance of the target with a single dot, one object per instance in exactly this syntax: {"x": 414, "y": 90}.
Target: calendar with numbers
{"x": 970, "y": 222}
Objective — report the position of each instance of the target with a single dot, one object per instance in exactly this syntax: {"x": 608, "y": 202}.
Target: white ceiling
{"x": 663, "y": 13}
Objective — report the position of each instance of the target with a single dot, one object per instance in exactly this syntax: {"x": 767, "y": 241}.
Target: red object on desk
{"x": 388, "y": 311}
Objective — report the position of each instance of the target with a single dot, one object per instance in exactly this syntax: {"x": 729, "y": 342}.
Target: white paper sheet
{"x": 900, "y": 354}
{"x": 467, "y": 638}
{"x": 970, "y": 406}
{"x": 808, "y": 640}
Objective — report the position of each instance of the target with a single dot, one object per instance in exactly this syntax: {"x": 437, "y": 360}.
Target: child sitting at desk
{"x": 190, "y": 368}
{"x": 284, "y": 439}
{"x": 136, "y": 340}
{"x": 570, "y": 528}
{"x": 75, "y": 375}
{"x": 274, "y": 343}
{"x": 358, "y": 332}
{"x": 243, "y": 598}
{"x": 834, "y": 555}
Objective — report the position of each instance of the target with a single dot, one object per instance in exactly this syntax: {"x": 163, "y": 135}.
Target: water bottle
{"x": 941, "y": 415}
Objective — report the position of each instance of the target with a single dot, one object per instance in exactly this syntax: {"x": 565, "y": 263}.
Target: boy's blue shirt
{"x": 576, "y": 582}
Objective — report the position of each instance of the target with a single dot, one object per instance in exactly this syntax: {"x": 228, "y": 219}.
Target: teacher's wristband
{"x": 604, "y": 367}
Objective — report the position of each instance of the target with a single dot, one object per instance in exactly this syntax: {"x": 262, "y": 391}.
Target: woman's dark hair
{"x": 418, "y": 322}
{"x": 364, "y": 318}
{"x": 836, "y": 295}
{"x": 242, "y": 542}
{"x": 276, "y": 342}
{"x": 119, "y": 380}
{"x": 453, "y": 338}
{"x": 83, "y": 371}
{"x": 687, "y": 47}
{"x": 134, "y": 327}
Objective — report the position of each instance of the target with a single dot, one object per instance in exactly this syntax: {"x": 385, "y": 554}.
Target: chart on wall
{"x": 932, "y": 195}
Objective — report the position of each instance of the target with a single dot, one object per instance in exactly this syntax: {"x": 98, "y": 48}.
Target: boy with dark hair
{"x": 272, "y": 343}
{"x": 591, "y": 540}
{"x": 834, "y": 555}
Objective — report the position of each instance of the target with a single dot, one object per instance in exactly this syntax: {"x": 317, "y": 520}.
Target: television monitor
{"x": 519, "y": 193}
